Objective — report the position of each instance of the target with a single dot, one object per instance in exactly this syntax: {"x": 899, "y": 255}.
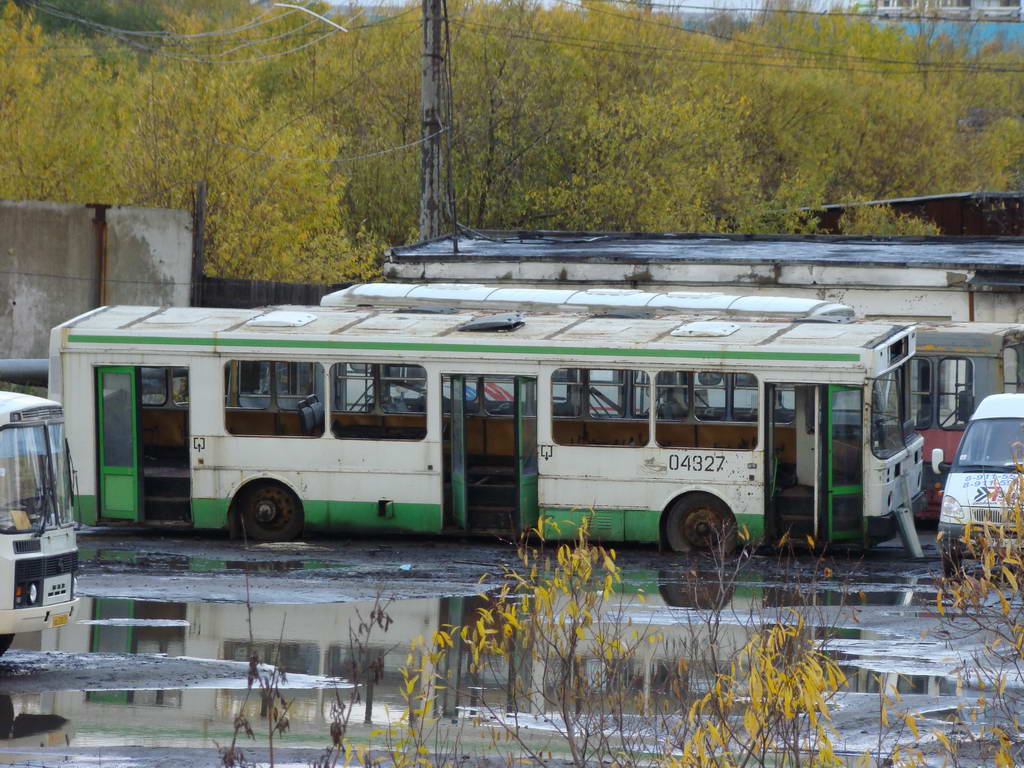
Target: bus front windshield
{"x": 991, "y": 445}
{"x": 33, "y": 490}
{"x": 886, "y": 421}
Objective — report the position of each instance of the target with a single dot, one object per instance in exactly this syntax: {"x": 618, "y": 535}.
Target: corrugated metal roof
{"x": 1002, "y": 254}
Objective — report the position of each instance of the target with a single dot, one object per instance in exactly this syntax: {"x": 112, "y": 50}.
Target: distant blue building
{"x": 973, "y": 22}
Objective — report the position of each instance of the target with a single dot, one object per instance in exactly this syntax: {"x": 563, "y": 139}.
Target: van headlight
{"x": 951, "y": 509}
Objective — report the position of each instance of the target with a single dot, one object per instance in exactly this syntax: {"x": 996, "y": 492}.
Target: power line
{"x": 770, "y": 46}
{"x": 128, "y": 37}
{"x": 266, "y": 17}
{"x": 864, "y": 15}
{"x": 117, "y": 46}
{"x": 363, "y": 74}
{"x": 328, "y": 161}
{"x": 731, "y": 57}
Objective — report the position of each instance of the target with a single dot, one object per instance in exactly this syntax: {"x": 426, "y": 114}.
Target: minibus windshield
{"x": 991, "y": 445}
{"x": 26, "y": 488}
{"x": 61, "y": 472}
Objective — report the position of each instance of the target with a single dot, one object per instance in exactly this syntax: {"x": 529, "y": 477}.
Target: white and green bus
{"x": 38, "y": 554}
{"x": 665, "y": 418}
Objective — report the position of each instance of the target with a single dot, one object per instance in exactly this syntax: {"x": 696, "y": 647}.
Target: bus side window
{"x": 956, "y": 374}
{"x": 921, "y": 392}
{"x": 730, "y": 402}
{"x": 744, "y": 397}
{"x": 179, "y": 387}
{"x": 374, "y": 401}
{"x": 1012, "y": 369}
{"x": 709, "y": 396}
{"x": 600, "y": 406}
{"x": 723, "y": 415}
{"x": 154, "y": 386}
{"x": 263, "y": 398}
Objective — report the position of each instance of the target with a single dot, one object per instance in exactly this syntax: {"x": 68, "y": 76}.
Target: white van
{"x": 983, "y": 478}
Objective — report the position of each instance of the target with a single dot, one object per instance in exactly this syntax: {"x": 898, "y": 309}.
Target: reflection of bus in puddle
{"x": 29, "y": 727}
{"x": 314, "y": 640}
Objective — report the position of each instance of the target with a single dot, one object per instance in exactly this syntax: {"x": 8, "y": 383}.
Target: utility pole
{"x": 430, "y": 131}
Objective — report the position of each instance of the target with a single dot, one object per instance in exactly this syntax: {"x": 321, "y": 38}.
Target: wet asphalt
{"x": 154, "y": 669}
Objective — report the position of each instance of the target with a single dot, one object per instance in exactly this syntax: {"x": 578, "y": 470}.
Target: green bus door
{"x": 844, "y": 473}
{"x": 460, "y": 502}
{"x": 117, "y": 433}
{"x": 526, "y": 452}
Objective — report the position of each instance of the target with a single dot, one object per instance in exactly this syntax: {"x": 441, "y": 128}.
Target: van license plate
{"x": 59, "y": 620}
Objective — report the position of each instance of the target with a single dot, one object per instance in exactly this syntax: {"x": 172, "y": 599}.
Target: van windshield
{"x": 991, "y": 445}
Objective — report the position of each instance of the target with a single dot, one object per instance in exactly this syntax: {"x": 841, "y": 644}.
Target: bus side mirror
{"x": 964, "y": 406}
{"x": 937, "y": 458}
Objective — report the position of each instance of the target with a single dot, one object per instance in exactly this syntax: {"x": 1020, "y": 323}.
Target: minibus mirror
{"x": 937, "y": 462}
{"x": 964, "y": 406}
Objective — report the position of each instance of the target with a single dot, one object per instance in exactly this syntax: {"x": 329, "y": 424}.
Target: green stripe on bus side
{"x": 210, "y": 513}
{"x": 363, "y": 516}
{"x": 401, "y": 346}
{"x": 752, "y": 526}
{"x": 637, "y": 525}
{"x": 337, "y": 516}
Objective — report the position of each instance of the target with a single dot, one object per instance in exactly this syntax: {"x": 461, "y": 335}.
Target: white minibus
{"x": 984, "y": 477}
{"x": 38, "y": 553}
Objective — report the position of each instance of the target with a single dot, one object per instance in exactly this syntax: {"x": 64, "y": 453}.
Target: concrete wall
{"x": 50, "y": 260}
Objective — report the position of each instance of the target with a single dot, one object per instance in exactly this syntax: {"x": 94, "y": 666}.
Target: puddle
{"x": 189, "y": 707}
{"x": 170, "y": 563}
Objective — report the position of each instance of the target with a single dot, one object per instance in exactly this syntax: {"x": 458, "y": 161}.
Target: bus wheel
{"x": 5, "y": 643}
{"x": 952, "y": 558}
{"x": 270, "y": 512}
{"x": 700, "y": 522}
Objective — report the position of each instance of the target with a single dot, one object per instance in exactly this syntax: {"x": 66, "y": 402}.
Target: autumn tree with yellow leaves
{"x": 575, "y": 115}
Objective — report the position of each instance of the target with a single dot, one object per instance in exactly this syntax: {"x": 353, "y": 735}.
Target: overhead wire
{"x": 266, "y": 17}
{"x": 114, "y": 46}
{"x": 333, "y": 160}
{"x": 734, "y": 57}
{"x": 166, "y": 42}
{"x": 752, "y": 43}
{"x": 894, "y": 15}
{"x": 363, "y": 74}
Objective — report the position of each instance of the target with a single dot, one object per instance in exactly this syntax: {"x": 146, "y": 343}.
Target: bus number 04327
{"x": 696, "y": 462}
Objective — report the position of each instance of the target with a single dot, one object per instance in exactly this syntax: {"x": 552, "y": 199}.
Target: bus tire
{"x": 270, "y": 512}
{"x": 952, "y": 557}
{"x": 5, "y": 643}
{"x": 700, "y": 522}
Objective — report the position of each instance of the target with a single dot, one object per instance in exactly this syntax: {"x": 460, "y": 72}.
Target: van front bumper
{"x": 19, "y": 620}
{"x": 951, "y": 532}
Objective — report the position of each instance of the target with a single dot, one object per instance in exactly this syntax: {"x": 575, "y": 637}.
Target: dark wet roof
{"x": 998, "y": 254}
{"x": 981, "y": 196}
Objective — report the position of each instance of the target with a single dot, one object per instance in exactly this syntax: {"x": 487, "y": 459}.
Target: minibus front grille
{"x": 33, "y": 569}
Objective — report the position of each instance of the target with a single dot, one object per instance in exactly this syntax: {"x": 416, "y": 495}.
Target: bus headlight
{"x": 33, "y": 593}
{"x": 951, "y": 509}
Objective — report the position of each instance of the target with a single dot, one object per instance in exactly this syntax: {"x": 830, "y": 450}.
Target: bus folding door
{"x": 117, "y": 433}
